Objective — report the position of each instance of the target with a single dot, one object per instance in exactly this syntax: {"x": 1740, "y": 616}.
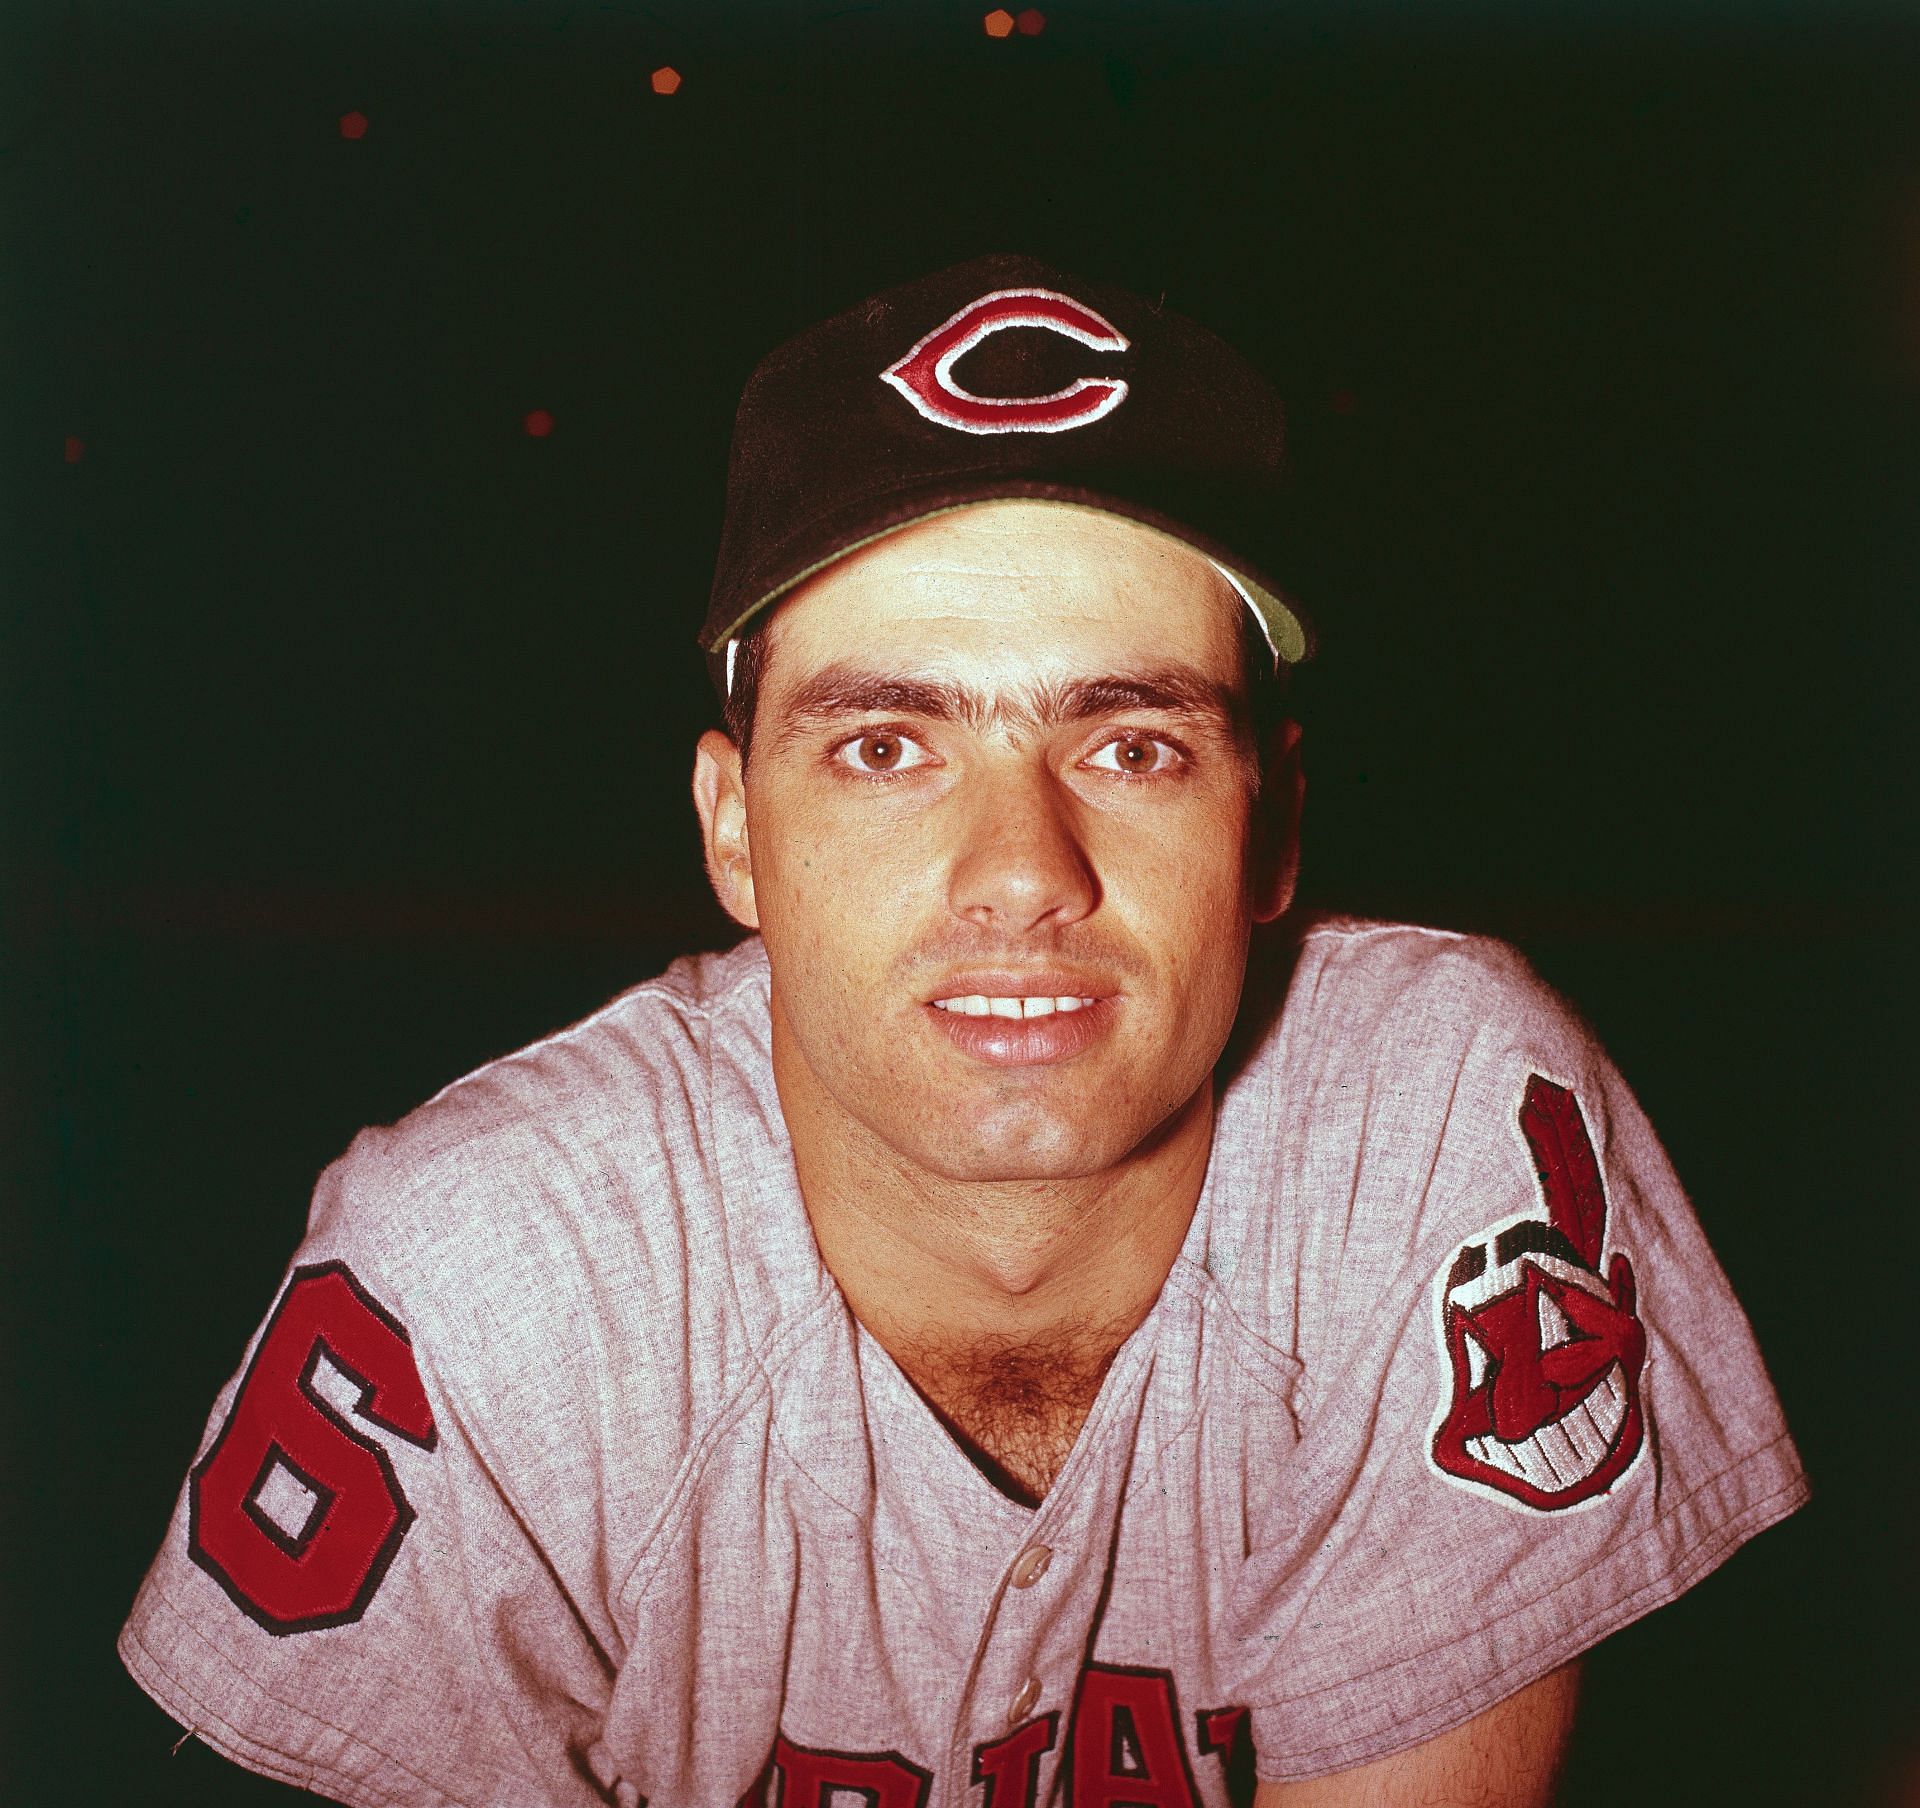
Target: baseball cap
{"x": 1001, "y": 378}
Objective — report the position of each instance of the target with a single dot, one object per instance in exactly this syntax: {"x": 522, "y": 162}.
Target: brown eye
{"x": 1138, "y": 753}
{"x": 880, "y": 752}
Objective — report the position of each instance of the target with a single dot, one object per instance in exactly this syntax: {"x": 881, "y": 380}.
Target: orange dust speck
{"x": 76, "y": 449}
{"x": 353, "y": 125}
{"x": 666, "y": 79}
{"x": 999, "y": 23}
{"x": 1345, "y": 401}
{"x": 539, "y": 423}
{"x": 1032, "y": 22}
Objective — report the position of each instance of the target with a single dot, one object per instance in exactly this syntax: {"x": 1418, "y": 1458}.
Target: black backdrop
{"x": 347, "y": 723}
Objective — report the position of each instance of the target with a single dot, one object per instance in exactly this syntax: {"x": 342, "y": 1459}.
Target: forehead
{"x": 1029, "y": 589}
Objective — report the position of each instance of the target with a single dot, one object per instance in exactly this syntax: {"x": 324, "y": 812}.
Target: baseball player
{"x": 975, "y": 1344}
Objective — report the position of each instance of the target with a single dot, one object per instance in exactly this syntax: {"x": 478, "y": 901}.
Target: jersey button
{"x": 1030, "y": 1566}
{"x": 1023, "y": 1702}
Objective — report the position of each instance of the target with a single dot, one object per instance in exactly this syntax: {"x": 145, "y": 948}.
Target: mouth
{"x": 981, "y": 1004}
{"x": 1022, "y": 1019}
{"x": 1568, "y": 1450}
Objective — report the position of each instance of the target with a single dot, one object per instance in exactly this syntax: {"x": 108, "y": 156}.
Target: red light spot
{"x": 666, "y": 79}
{"x": 999, "y": 23}
{"x": 353, "y": 125}
{"x": 1344, "y": 401}
{"x": 539, "y": 423}
{"x": 76, "y": 449}
{"x": 1032, "y": 22}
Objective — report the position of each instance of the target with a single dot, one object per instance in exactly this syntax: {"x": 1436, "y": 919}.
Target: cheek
{"x": 1182, "y": 885}
{"x": 834, "y": 888}
{"x": 1212, "y": 896}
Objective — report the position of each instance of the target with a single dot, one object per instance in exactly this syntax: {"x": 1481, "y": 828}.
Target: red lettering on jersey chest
{"x": 811, "y": 1779}
{"x": 1124, "y": 1750}
{"x": 1010, "y": 1767}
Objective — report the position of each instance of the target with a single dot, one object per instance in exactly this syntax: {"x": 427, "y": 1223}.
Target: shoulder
{"x": 1374, "y": 1037}
{"x": 539, "y": 1223}
{"x": 1378, "y": 1113}
{"x": 644, "y": 1047}
{"x": 1390, "y": 991}
{"x": 613, "y": 1101}
{"x": 1457, "y": 1050}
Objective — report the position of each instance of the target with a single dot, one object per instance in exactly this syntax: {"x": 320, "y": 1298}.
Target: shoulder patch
{"x": 295, "y": 1511}
{"x": 1543, "y": 1349}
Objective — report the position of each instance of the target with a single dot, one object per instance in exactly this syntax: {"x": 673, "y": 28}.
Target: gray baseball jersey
{"x": 560, "y": 1472}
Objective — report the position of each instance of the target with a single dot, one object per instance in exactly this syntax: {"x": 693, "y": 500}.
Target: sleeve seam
{"x": 1729, "y": 1533}
{"x": 245, "y": 1747}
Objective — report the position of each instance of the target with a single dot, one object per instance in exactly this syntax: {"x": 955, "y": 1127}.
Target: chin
{"x": 984, "y": 1167}
{"x": 1025, "y": 1142}
{"x": 980, "y": 1154}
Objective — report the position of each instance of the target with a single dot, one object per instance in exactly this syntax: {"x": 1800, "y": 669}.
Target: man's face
{"x": 998, "y": 833}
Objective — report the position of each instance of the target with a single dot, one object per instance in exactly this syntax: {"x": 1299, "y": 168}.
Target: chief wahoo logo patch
{"x": 1545, "y": 1353}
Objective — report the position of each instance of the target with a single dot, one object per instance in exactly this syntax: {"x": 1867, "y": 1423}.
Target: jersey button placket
{"x": 1023, "y": 1703}
{"x": 1040, "y": 1626}
{"x": 1030, "y": 1565}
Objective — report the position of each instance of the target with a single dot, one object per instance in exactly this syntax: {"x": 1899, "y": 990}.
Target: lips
{"x": 1012, "y": 1019}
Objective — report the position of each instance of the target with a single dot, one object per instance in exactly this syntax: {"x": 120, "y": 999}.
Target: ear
{"x": 1283, "y": 791}
{"x": 720, "y": 795}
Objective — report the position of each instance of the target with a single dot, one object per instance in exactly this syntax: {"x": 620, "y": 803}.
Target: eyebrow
{"x": 843, "y": 689}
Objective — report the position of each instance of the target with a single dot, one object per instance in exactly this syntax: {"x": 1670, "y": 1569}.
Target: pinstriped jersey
{"x": 560, "y": 1473}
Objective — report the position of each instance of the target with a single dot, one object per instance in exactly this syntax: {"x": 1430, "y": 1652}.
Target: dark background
{"x": 347, "y": 724}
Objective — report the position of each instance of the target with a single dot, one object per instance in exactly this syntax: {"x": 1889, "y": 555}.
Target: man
{"x": 955, "y": 1348}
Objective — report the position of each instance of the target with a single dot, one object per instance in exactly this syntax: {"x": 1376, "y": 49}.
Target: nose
{"x": 1022, "y": 864}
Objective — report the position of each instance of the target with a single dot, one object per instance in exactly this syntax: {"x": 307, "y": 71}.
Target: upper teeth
{"x": 975, "y": 1004}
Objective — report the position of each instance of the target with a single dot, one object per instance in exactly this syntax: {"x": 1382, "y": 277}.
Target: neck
{"x": 936, "y": 1267}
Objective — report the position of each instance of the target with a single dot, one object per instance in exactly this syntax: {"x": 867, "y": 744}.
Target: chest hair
{"x": 1014, "y": 1406}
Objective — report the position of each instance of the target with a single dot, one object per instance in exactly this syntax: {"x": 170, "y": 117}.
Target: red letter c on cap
{"x": 925, "y": 375}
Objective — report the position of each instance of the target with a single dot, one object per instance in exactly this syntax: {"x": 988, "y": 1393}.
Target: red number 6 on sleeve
{"x": 294, "y": 1512}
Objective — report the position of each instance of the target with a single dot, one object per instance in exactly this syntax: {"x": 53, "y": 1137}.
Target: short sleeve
{"x": 346, "y": 1599}
{"x": 1546, "y": 1416}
